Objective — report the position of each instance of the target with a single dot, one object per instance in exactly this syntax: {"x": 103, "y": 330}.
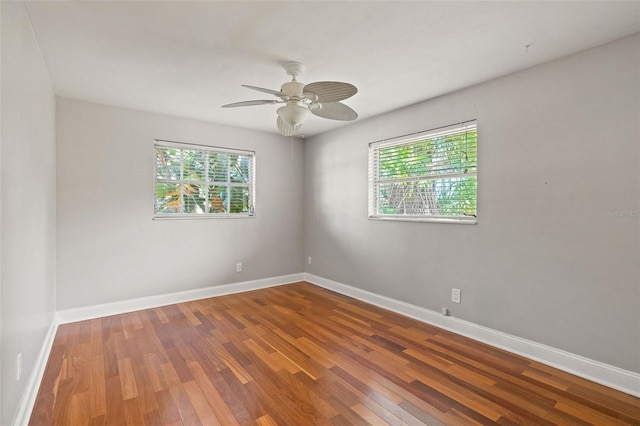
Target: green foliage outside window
{"x": 432, "y": 177}
{"x": 192, "y": 181}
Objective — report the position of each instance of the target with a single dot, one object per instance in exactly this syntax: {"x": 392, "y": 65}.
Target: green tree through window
{"x": 203, "y": 181}
{"x": 428, "y": 177}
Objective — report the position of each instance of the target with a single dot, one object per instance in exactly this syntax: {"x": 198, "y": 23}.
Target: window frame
{"x": 374, "y": 180}
{"x": 251, "y": 184}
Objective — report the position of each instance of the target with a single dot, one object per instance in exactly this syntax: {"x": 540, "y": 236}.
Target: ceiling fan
{"x": 321, "y": 98}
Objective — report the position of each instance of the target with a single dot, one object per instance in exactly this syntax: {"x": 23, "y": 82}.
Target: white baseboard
{"x": 608, "y": 375}
{"x": 124, "y": 306}
{"x": 33, "y": 385}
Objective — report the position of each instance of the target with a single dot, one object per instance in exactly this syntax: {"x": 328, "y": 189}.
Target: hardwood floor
{"x": 298, "y": 355}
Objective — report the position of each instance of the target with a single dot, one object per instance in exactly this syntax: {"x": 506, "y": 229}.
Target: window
{"x": 202, "y": 181}
{"x": 430, "y": 176}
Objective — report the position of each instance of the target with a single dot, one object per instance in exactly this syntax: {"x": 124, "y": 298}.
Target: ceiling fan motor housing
{"x": 295, "y": 112}
{"x": 293, "y": 89}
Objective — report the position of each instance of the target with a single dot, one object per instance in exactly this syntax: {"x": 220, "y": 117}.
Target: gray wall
{"x": 558, "y": 146}
{"x": 27, "y": 199}
{"x": 109, "y": 248}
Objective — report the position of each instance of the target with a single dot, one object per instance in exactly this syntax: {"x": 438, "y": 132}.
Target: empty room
{"x": 319, "y": 212}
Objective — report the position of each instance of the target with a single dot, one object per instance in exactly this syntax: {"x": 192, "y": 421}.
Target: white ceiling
{"x": 189, "y": 58}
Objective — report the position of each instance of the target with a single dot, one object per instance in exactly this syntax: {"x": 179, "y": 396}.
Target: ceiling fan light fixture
{"x": 293, "y": 114}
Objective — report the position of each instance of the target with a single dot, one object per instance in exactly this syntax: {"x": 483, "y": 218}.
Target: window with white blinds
{"x": 201, "y": 181}
{"x": 429, "y": 176}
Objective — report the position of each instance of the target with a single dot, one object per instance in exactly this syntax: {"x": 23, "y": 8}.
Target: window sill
{"x": 451, "y": 220}
{"x": 202, "y": 216}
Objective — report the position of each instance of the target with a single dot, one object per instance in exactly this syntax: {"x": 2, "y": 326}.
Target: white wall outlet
{"x": 309, "y": 260}
{"x": 238, "y": 267}
{"x": 456, "y": 295}
{"x": 19, "y": 366}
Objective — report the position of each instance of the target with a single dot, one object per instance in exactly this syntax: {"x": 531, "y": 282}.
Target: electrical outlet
{"x": 18, "y": 366}
{"x": 309, "y": 260}
{"x": 456, "y": 295}
{"x": 238, "y": 267}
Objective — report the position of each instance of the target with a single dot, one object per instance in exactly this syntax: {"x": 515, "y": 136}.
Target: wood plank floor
{"x": 300, "y": 355}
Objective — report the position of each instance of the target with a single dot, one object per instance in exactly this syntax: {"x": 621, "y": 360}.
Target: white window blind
{"x": 202, "y": 181}
{"x": 429, "y": 176}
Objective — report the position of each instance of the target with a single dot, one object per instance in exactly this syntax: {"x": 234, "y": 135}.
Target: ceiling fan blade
{"x": 250, "y": 103}
{"x": 285, "y": 128}
{"x": 335, "y": 111}
{"x": 262, "y": 89}
{"x": 329, "y": 91}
